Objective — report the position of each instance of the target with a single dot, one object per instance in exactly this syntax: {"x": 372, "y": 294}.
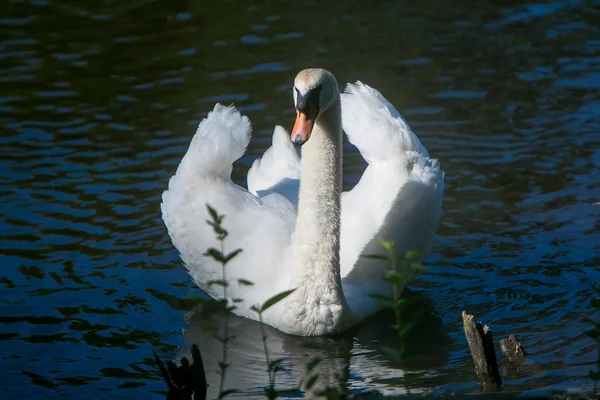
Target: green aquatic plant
{"x": 403, "y": 270}
{"x": 594, "y": 333}
{"x": 222, "y": 258}
{"x": 273, "y": 366}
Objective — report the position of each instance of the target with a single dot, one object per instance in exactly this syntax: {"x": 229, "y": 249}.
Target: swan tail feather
{"x": 374, "y": 125}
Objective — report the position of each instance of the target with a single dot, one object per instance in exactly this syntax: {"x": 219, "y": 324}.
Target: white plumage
{"x": 398, "y": 198}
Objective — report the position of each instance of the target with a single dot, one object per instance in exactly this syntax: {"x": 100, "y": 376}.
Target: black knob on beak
{"x": 297, "y": 140}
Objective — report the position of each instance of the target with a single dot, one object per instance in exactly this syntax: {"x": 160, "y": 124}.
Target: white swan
{"x": 315, "y": 248}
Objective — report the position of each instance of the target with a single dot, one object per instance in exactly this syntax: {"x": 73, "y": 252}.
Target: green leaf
{"x": 313, "y": 363}
{"x": 215, "y": 255}
{"x": 212, "y": 212}
{"x": 218, "y": 282}
{"x": 405, "y": 327}
{"x": 418, "y": 267}
{"x": 379, "y": 297}
{"x": 223, "y": 366}
{"x": 388, "y": 246}
{"x": 394, "y": 278}
{"x": 275, "y": 299}
{"x": 256, "y": 309}
{"x": 219, "y": 231}
{"x": 401, "y": 305}
{"x": 311, "y": 382}
{"x": 231, "y": 255}
{"x": 595, "y": 302}
{"x": 413, "y": 316}
{"x": 376, "y": 257}
{"x": 194, "y": 299}
{"x": 237, "y": 300}
{"x": 406, "y": 323}
{"x": 245, "y": 282}
{"x": 411, "y": 254}
{"x": 223, "y": 339}
{"x": 408, "y": 353}
{"x": 594, "y": 375}
{"x": 222, "y": 303}
{"x": 275, "y": 365}
{"x": 385, "y": 301}
{"x": 391, "y": 353}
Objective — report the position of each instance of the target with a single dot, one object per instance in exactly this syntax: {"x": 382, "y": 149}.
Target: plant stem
{"x": 264, "y": 340}
{"x": 397, "y": 309}
{"x": 225, "y": 329}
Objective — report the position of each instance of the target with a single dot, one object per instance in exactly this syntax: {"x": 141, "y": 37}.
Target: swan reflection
{"x": 349, "y": 361}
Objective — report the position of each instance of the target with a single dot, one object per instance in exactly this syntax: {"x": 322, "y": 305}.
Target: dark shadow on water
{"x": 186, "y": 380}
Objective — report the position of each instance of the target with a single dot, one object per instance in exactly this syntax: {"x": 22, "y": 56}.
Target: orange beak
{"x": 302, "y": 129}
{"x": 303, "y": 126}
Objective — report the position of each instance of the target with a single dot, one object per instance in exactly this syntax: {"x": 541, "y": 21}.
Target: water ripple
{"x": 100, "y": 101}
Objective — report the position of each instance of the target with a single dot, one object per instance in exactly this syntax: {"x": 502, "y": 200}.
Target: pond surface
{"x": 99, "y": 101}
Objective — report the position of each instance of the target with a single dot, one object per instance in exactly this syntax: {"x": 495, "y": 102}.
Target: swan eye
{"x": 311, "y": 98}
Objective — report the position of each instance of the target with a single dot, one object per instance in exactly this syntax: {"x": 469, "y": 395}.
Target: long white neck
{"x": 318, "y": 305}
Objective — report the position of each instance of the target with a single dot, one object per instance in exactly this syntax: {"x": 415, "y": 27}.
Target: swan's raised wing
{"x": 278, "y": 170}
{"x": 398, "y": 196}
{"x": 262, "y": 229}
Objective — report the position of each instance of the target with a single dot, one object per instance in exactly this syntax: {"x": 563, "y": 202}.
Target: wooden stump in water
{"x": 481, "y": 344}
{"x": 514, "y": 354}
{"x": 512, "y": 349}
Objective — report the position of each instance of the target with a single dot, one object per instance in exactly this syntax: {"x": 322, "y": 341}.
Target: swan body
{"x": 296, "y": 228}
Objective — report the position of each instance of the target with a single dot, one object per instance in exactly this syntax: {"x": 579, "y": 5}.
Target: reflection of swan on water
{"x": 315, "y": 248}
{"x": 350, "y": 360}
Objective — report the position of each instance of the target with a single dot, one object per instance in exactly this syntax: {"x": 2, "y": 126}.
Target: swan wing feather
{"x": 278, "y": 170}
{"x": 398, "y": 197}
{"x": 262, "y": 228}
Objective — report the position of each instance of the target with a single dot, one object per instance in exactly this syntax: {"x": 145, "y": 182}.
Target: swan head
{"x": 315, "y": 90}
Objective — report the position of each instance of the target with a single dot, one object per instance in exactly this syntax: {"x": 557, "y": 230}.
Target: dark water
{"x": 99, "y": 101}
